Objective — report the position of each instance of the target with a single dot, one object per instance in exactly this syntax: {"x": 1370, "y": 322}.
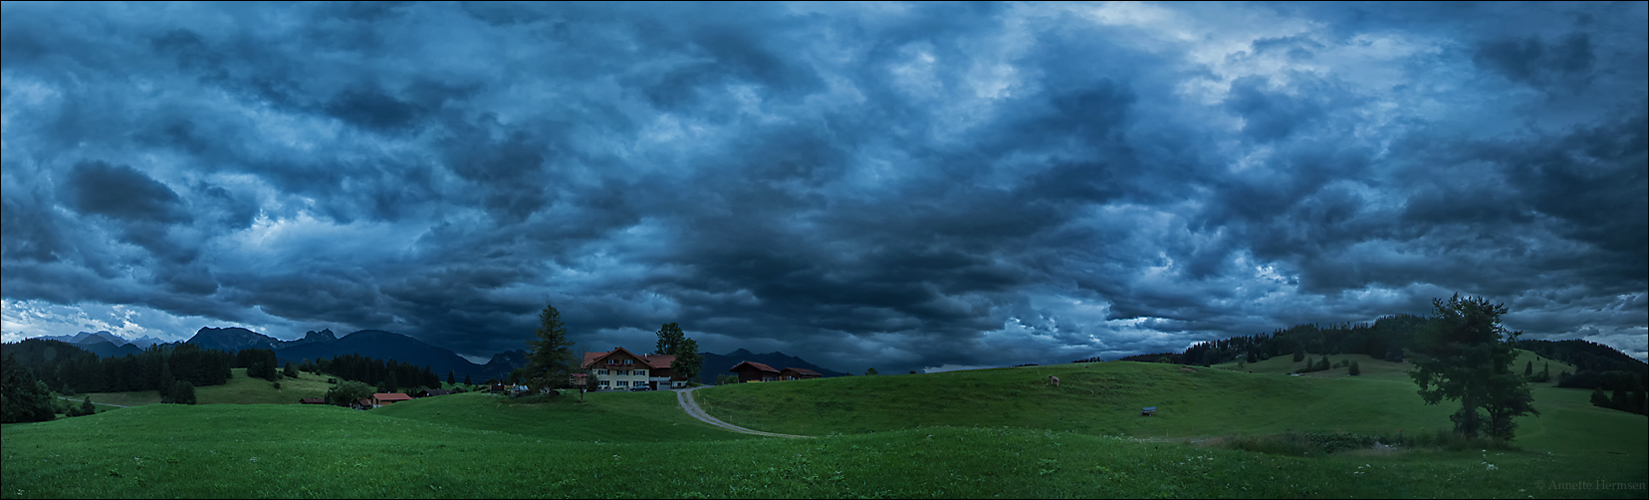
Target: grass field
{"x": 979, "y": 434}
{"x": 1106, "y": 398}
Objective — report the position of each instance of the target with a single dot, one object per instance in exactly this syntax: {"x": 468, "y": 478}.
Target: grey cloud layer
{"x": 884, "y": 185}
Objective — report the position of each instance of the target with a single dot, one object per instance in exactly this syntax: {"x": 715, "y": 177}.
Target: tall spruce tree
{"x": 1466, "y": 355}
{"x": 550, "y": 363}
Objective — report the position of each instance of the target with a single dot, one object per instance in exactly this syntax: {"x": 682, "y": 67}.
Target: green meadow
{"x": 974, "y": 434}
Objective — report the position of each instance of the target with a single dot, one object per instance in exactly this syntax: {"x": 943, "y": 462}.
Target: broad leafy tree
{"x": 1467, "y": 356}
{"x": 349, "y": 391}
{"x": 671, "y": 340}
{"x": 670, "y": 337}
{"x": 550, "y": 363}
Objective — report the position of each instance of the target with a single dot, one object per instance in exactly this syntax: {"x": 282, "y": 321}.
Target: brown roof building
{"x": 753, "y": 371}
{"x": 384, "y": 398}
{"x": 798, "y": 374}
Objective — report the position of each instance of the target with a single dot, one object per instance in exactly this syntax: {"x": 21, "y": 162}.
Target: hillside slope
{"x": 1106, "y": 398}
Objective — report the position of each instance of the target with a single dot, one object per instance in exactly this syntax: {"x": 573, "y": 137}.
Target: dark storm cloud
{"x": 888, "y": 185}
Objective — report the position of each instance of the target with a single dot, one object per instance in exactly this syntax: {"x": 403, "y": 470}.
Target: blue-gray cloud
{"x": 889, "y": 185}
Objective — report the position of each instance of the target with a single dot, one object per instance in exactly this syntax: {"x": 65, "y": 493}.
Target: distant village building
{"x": 751, "y": 371}
{"x": 312, "y": 401}
{"x": 798, "y": 374}
{"x": 623, "y": 370}
{"x": 384, "y": 398}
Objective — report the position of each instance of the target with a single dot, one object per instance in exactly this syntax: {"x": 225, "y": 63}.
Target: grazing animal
{"x": 1054, "y": 381}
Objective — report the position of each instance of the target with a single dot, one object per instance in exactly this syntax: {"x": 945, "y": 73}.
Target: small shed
{"x": 312, "y": 401}
{"x": 1147, "y": 411}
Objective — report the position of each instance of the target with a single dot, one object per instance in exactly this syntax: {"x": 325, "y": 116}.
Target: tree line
{"x": 385, "y": 375}
{"x": 36, "y": 370}
{"x": 69, "y": 369}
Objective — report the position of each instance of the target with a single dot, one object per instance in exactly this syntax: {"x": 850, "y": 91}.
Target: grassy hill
{"x": 969, "y": 434}
{"x": 609, "y": 417}
{"x": 1106, "y": 398}
{"x": 317, "y": 451}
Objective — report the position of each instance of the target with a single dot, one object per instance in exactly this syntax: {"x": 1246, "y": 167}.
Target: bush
{"x": 1448, "y": 440}
{"x": 348, "y": 392}
{"x": 1354, "y": 370}
{"x": 276, "y": 385}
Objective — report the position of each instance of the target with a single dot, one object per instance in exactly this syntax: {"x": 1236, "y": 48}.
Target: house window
{"x": 641, "y": 372}
{"x": 601, "y": 372}
{"x": 623, "y": 383}
{"x": 603, "y": 383}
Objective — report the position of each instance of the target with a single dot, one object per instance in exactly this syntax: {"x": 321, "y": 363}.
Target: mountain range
{"x": 388, "y": 345}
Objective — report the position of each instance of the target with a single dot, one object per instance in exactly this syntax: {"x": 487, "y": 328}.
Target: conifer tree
{"x": 550, "y": 363}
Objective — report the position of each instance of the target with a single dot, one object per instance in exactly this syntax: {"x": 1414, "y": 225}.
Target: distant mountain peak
{"x": 741, "y": 352}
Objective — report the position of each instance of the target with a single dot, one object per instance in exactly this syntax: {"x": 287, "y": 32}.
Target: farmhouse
{"x": 622, "y": 369}
{"x": 384, "y": 398}
{"x": 798, "y": 374}
{"x": 751, "y": 371}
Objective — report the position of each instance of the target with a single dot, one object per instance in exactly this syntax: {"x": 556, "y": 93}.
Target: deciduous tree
{"x": 1466, "y": 355}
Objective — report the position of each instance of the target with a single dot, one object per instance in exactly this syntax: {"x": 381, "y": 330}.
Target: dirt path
{"x": 690, "y": 406}
{"x": 93, "y": 402}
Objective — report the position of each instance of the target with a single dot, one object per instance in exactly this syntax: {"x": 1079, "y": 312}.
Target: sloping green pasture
{"x": 233, "y": 451}
{"x": 1106, "y": 398}
{"x": 607, "y": 417}
{"x": 977, "y": 434}
{"x": 239, "y": 390}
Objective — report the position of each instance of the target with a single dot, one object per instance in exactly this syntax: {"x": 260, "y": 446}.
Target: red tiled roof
{"x": 755, "y": 365}
{"x": 659, "y": 361}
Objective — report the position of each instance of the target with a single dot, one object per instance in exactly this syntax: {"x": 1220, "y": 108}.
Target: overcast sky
{"x": 898, "y": 186}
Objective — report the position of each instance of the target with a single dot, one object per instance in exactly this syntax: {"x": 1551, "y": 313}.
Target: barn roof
{"x": 753, "y": 364}
{"x": 657, "y": 361}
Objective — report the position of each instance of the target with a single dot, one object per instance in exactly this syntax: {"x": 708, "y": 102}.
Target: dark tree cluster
{"x": 1597, "y": 366}
{"x": 23, "y": 398}
{"x": 1384, "y": 339}
{"x": 387, "y": 376}
{"x": 1629, "y": 401}
{"x": 259, "y": 363}
{"x": 70, "y": 369}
